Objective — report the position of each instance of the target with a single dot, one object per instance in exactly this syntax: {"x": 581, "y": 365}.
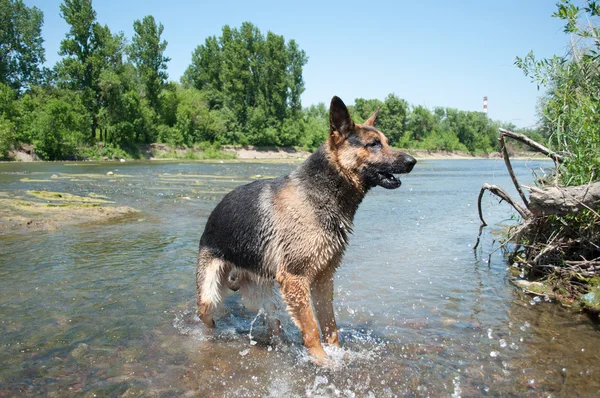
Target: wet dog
{"x": 294, "y": 229}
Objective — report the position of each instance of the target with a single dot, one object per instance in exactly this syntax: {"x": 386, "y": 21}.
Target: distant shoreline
{"x": 230, "y": 152}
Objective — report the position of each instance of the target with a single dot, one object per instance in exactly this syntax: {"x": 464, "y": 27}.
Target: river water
{"x": 107, "y": 309}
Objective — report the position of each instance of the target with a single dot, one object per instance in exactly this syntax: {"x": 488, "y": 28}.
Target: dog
{"x": 294, "y": 229}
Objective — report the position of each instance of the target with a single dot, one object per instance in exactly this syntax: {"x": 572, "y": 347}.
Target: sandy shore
{"x": 49, "y": 211}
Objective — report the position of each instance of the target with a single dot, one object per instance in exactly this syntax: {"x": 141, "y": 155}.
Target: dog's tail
{"x": 211, "y": 282}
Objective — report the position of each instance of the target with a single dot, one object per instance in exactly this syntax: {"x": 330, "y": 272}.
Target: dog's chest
{"x": 308, "y": 237}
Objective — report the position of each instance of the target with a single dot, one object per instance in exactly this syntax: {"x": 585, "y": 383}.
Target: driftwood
{"x": 501, "y": 193}
{"x": 549, "y": 249}
{"x": 564, "y": 200}
{"x": 532, "y": 144}
{"x": 555, "y": 200}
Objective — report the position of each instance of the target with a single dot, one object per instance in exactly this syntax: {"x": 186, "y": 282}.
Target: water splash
{"x": 261, "y": 312}
{"x": 189, "y": 324}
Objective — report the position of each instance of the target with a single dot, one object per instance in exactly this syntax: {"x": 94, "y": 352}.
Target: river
{"x": 106, "y": 309}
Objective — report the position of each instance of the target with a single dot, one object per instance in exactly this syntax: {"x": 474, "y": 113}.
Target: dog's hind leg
{"x": 258, "y": 293}
{"x": 211, "y": 282}
{"x": 322, "y": 295}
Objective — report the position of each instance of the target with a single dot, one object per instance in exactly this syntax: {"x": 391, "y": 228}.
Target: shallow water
{"x": 107, "y": 309}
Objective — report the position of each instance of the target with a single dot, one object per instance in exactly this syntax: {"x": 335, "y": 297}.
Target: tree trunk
{"x": 564, "y": 200}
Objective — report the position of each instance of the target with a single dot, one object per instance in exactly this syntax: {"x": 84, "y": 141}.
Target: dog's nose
{"x": 410, "y": 162}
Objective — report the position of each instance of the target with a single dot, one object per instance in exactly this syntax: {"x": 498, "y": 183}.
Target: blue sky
{"x": 435, "y": 53}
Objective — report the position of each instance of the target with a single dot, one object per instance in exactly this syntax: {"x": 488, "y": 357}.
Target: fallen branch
{"x": 531, "y": 143}
{"x": 564, "y": 200}
{"x": 510, "y": 169}
{"x": 501, "y": 193}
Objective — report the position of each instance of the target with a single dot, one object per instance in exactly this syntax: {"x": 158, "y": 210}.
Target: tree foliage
{"x": 89, "y": 49}
{"x": 257, "y": 77}
{"x": 570, "y": 109}
{"x": 21, "y": 49}
{"x": 147, "y": 54}
{"x": 54, "y": 121}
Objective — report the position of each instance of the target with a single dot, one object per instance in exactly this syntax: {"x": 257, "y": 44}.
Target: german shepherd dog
{"x": 294, "y": 229}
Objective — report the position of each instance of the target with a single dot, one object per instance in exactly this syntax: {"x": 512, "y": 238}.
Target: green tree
{"x": 21, "y": 44}
{"x": 420, "y": 123}
{"x": 125, "y": 117}
{"x": 55, "y": 121}
{"x": 392, "y": 118}
{"x": 296, "y": 60}
{"x": 316, "y": 126}
{"x": 473, "y": 130}
{"x": 197, "y": 123}
{"x": 204, "y": 73}
{"x": 169, "y": 101}
{"x": 147, "y": 53}
{"x": 9, "y": 112}
{"x": 363, "y": 108}
{"x": 89, "y": 48}
{"x": 257, "y": 78}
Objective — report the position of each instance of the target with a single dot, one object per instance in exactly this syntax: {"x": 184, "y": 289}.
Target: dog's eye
{"x": 374, "y": 144}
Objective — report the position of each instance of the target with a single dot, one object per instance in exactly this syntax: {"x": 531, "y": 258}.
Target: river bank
{"x": 158, "y": 151}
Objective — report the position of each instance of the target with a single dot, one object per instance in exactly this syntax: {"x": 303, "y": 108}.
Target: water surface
{"x": 107, "y": 309}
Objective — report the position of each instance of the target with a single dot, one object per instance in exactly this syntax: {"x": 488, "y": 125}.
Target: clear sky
{"x": 431, "y": 53}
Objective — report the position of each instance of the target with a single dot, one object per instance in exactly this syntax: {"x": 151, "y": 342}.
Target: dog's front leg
{"x": 295, "y": 290}
{"x": 322, "y": 294}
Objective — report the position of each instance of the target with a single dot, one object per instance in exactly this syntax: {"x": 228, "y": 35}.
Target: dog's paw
{"x": 324, "y": 362}
{"x": 319, "y": 357}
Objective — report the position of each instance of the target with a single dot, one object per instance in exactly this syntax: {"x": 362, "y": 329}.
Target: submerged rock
{"x": 536, "y": 288}
{"x": 80, "y": 351}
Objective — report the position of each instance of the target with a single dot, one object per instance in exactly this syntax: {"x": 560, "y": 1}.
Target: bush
{"x": 56, "y": 129}
{"x": 102, "y": 151}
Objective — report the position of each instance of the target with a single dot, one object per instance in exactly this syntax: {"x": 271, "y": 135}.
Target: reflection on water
{"x": 108, "y": 309}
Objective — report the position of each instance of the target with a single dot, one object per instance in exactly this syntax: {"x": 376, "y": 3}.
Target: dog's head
{"x": 363, "y": 152}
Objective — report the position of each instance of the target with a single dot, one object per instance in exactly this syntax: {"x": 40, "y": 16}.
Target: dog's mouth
{"x": 386, "y": 175}
{"x": 388, "y": 180}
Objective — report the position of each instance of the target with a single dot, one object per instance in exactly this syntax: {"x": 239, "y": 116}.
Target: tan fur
{"x": 296, "y": 230}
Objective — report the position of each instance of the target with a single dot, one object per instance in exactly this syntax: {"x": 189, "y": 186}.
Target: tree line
{"x": 108, "y": 95}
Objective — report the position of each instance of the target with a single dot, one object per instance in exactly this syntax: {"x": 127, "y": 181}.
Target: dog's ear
{"x": 340, "y": 122}
{"x": 372, "y": 119}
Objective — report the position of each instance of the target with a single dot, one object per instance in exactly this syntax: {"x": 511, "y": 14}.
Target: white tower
{"x": 485, "y": 105}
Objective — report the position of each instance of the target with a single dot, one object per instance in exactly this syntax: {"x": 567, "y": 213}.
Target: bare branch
{"x": 510, "y": 170}
{"x": 531, "y": 143}
{"x": 501, "y": 193}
